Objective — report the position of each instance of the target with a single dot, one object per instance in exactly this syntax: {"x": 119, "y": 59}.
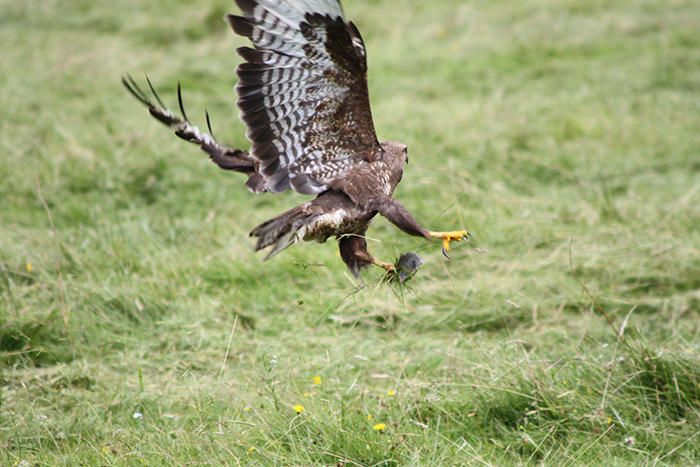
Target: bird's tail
{"x": 284, "y": 230}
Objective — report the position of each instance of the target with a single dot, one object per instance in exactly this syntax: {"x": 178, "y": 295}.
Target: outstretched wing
{"x": 223, "y": 156}
{"x": 303, "y": 92}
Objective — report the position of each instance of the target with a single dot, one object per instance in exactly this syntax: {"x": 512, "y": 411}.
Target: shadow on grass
{"x": 35, "y": 342}
{"x": 668, "y": 384}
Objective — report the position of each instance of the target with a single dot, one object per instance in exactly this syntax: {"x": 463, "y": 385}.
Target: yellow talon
{"x": 388, "y": 267}
{"x": 448, "y": 237}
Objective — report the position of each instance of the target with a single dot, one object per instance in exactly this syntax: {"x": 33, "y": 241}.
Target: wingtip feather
{"x": 179, "y": 103}
{"x": 240, "y": 25}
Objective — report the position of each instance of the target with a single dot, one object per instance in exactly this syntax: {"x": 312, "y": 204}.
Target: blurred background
{"x": 138, "y": 326}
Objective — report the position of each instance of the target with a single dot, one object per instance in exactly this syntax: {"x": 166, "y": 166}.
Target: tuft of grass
{"x": 138, "y": 327}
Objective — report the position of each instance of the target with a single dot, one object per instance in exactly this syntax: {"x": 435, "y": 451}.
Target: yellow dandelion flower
{"x": 251, "y": 449}
{"x": 369, "y": 417}
{"x": 317, "y": 380}
{"x": 29, "y": 267}
{"x": 105, "y": 449}
{"x": 298, "y": 408}
{"x": 391, "y": 393}
{"x": 306, "y": 394}
{"x": 609, "y": 420}
{"x": 379, "y": 426}
{"x": 247, "y": 409}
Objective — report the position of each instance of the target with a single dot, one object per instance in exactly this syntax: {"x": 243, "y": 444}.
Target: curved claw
{"x": 448, "y": 237}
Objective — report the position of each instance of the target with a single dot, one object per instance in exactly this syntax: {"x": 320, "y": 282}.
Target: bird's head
{"x": 395, "y": 156}
{"x": 395, "y": 152}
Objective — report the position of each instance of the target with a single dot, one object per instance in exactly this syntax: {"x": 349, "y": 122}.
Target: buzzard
{"x": 302, "y": 92}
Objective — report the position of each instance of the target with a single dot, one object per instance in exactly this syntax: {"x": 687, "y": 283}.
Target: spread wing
{"x": 303, "y": 92}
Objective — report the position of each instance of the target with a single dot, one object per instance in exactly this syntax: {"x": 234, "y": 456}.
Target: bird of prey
{"x": 302, "y": 92}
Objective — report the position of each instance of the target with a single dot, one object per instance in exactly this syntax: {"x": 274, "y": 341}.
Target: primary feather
{"x": 303, "y": 93}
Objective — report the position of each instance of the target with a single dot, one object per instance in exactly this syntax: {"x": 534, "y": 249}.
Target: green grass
{"x": 562, "y": 134}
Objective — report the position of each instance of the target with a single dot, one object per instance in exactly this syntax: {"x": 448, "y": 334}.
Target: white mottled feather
{"x": 294, "y": 11}
{"x": 302, "y": 227}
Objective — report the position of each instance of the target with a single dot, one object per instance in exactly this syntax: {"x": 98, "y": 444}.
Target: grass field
{"x": 137, "y": 326}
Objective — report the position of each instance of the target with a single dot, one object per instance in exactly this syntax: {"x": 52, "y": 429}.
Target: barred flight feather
{"x": 303, "y": 92}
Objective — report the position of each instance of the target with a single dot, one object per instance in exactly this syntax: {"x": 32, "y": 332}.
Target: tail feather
{"x": 284, "y": 230}
{"x": 331, "y": 214}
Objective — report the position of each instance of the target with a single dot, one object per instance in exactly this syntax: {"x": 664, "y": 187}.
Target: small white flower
{"x": 137, "y": 415}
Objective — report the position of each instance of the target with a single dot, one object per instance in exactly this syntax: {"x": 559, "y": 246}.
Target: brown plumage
{"x": 303, "y": 95}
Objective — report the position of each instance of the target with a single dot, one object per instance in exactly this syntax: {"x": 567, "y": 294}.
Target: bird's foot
{"x": 448, "y": 237}
{"x": 388, "y": 267}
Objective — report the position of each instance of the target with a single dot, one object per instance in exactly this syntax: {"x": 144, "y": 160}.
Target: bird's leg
{"x": 367, "y": 257}
{"x": 448, "y": 237}
{"x": 353, "y": 250}
{"x": 388, "y": 267}
{"x": 399, "y": 216}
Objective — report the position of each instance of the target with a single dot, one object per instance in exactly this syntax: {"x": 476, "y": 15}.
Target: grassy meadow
{"x": 138, "y": 327}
